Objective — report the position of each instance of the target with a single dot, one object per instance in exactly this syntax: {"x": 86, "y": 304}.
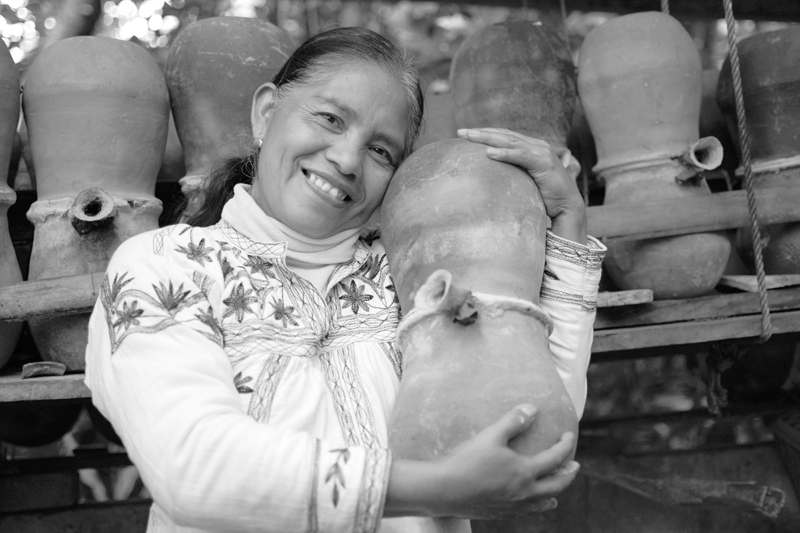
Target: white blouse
{"x": 249, "y": 401}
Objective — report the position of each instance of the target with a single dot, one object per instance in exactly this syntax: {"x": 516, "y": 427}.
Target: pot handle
{"x": 92, "y": 209}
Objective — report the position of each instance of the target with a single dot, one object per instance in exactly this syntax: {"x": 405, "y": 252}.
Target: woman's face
{"x": 330, "y": 149}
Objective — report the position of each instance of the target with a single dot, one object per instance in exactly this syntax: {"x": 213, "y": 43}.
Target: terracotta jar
{"x": 640, "y": 84}
{"x": 38, "y": 423}
{"x": 439, "y": 114}
{"x": 465, "y": 239}
{"x": 214, "y": 67}
{"x": 9, "y": 268}
{"x": 517, "y": 75}
{"x": 770, "y": 69}
{"x": 97, "y": 112}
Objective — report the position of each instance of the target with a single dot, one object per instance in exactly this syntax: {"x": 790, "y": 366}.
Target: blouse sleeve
{"x": 158, "y": 372}
{"x": 569, "y": 295}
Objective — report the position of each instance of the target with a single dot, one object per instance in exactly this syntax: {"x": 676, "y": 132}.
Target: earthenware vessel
{"x": 97, "y": 111}
{"x": 640, "y": 84}
{"x": 214, "y": 67}
{"x": 517, "y": 75}
{"x": 770, "y": 70}
{"x": 9, "y": 267}
{"x": 465, "y": 238}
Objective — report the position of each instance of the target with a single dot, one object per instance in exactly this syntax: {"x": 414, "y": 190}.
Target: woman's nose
{"x": 347, "y": 155}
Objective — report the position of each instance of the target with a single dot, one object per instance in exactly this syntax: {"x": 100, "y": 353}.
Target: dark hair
{"x": 314, "y": 61}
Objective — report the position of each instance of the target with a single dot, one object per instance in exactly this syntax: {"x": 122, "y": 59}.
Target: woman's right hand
{"x": 483, "y": 478}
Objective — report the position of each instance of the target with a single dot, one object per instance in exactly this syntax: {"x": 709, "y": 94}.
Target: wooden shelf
{"x": 15, "y": 389}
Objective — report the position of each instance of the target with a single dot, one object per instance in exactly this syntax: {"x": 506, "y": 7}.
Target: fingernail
{"x": 566, "y": 436}
{"x": 528, "y": 410}
{"x": 569, "y": 468}
{"x": 462, "y": 132}
{"x": 494, "y": 151}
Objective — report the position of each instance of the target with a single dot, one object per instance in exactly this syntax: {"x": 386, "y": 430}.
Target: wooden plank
{"x": 129, "y": 516}
{"x": 15, "y": 389}
{"x": 750, "y": 283}
{"x": 50, "y": 297}
{"x": 784, "y": 10}
{"x": 680, "y": 333}
{"x": 621, "y": 298}
{"x": 678, "y": 216}
{"x": 702, "y": 308}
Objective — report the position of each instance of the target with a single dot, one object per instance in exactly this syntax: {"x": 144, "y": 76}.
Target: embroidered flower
{"x": 225, "y": 265}
{"x": 239, "y": 382}
{"x": 284, "y": 313}
{"x": 207, "y": 317}
{"x": 371, "y": 267}
{"x": 129, "y": 315}
{"x": 196, "y": 252}
{"x": 392, "y": 288}
{"x": 260, "y": 265}
{"x": 239, "y": 302}
{"x": 355, "y": 297}
{"x": 336, "y": 473}
{"x": 371, "y": 237}
{"x": 171, "y": 299}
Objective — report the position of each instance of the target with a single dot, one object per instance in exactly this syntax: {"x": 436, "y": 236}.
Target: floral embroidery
{"x": 196, "y": 252}
{"x": 283, "y": 312}
{"x": 239, "y": 302}
{"x": 239, "y": 382}
{"x": 172, "y": 300}
{"x": 260, "y": 265}
{"x": 371, "y": 267}
{"x": 225, "y": 265}
{"x": 207, "y": 317}
{"x": 392, "y": 288}
{"x": 336, "y": 474}
{"x": 371, "y": 237}
{"x": 129, "y": 315}
{"x": 355, "y": 297}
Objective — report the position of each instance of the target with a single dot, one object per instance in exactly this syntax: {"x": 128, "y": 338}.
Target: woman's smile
{"x": 328, "y": 190}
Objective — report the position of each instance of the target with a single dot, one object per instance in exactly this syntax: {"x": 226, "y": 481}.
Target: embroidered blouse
{"x": 251, "y": 401}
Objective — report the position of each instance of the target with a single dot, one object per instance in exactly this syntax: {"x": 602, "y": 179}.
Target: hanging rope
{"x": 665, "y": 7}
{"x": 744, "y": 141}
{"x": 564, "y": 14}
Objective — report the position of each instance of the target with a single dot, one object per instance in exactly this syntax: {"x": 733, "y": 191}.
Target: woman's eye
{"x": 383, "y": 153}
{"x": 330, "y": 119}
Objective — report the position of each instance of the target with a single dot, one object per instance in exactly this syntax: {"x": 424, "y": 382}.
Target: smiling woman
{"x": 248, "y": 360}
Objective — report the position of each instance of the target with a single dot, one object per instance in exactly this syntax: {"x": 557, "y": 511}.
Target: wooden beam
{"x": 782, "y": 10}
{"x": 15, "y": 389}
{"x": 702, "y": 308}
{"x": 683, "y": 333}
{"x": 623, "y": 298}
{"x": 50, "y": 297}
{"x": 695, "y": 214}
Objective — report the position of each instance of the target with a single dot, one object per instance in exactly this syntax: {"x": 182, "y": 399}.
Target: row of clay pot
{"x": 640, "y": 83}
{"x": 97, "y": 113}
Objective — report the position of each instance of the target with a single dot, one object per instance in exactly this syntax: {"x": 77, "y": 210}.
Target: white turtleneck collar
{"x": 314, "y": 259}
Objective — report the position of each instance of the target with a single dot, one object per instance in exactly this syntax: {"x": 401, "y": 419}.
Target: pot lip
{"x": 7, "y": 195}
{"x": 616, "y": 165}
{"x": 771, "y": 165}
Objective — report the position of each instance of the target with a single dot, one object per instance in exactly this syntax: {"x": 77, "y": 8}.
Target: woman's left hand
{"x": 562, "y": 200}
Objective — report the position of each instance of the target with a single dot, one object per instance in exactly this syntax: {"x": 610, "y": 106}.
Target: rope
{"x": 744, "y": 141}
{"x": 564, "y": 14}
{"x": 665, "y": 6}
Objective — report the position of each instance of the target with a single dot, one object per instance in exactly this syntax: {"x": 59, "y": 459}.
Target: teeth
{"x": 324, "y": 186}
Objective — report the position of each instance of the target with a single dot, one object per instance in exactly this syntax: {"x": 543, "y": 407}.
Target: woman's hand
{"x": 562, "y": 200}
{"x": 483, "y": 478}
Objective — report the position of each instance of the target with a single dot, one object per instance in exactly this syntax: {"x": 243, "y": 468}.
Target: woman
{"x": 248, "y": 361}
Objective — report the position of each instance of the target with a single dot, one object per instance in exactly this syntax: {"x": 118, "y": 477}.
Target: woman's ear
{"x": 262, "y": 100}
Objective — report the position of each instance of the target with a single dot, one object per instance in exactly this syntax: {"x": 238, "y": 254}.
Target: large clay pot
{"x": 770, "y": 69}
{"x": 214, "y": 67}
{"x": 439, "y": 115}
{"x": 465, "y": 238}
{"x": 37, "y": 423}
{"x": 9, "y": 268}
{"x": 640, "y": 83}
{"x": 97, "y": 112}
{"x": 517, "y": 75}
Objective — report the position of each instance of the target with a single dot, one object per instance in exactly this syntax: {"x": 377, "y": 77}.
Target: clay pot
{"x": 465, "y": 238}
{"x": 439, "y": 116}
{"x": 640, "y": 83}
{"x": 37, "y": 423}
{"x": 9, "y": 267}
{"x": 517, "y": 75}
{"x": 214, "y": 67}
{"x": 97, "y": 112}
{"x": 770, "y": 68}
